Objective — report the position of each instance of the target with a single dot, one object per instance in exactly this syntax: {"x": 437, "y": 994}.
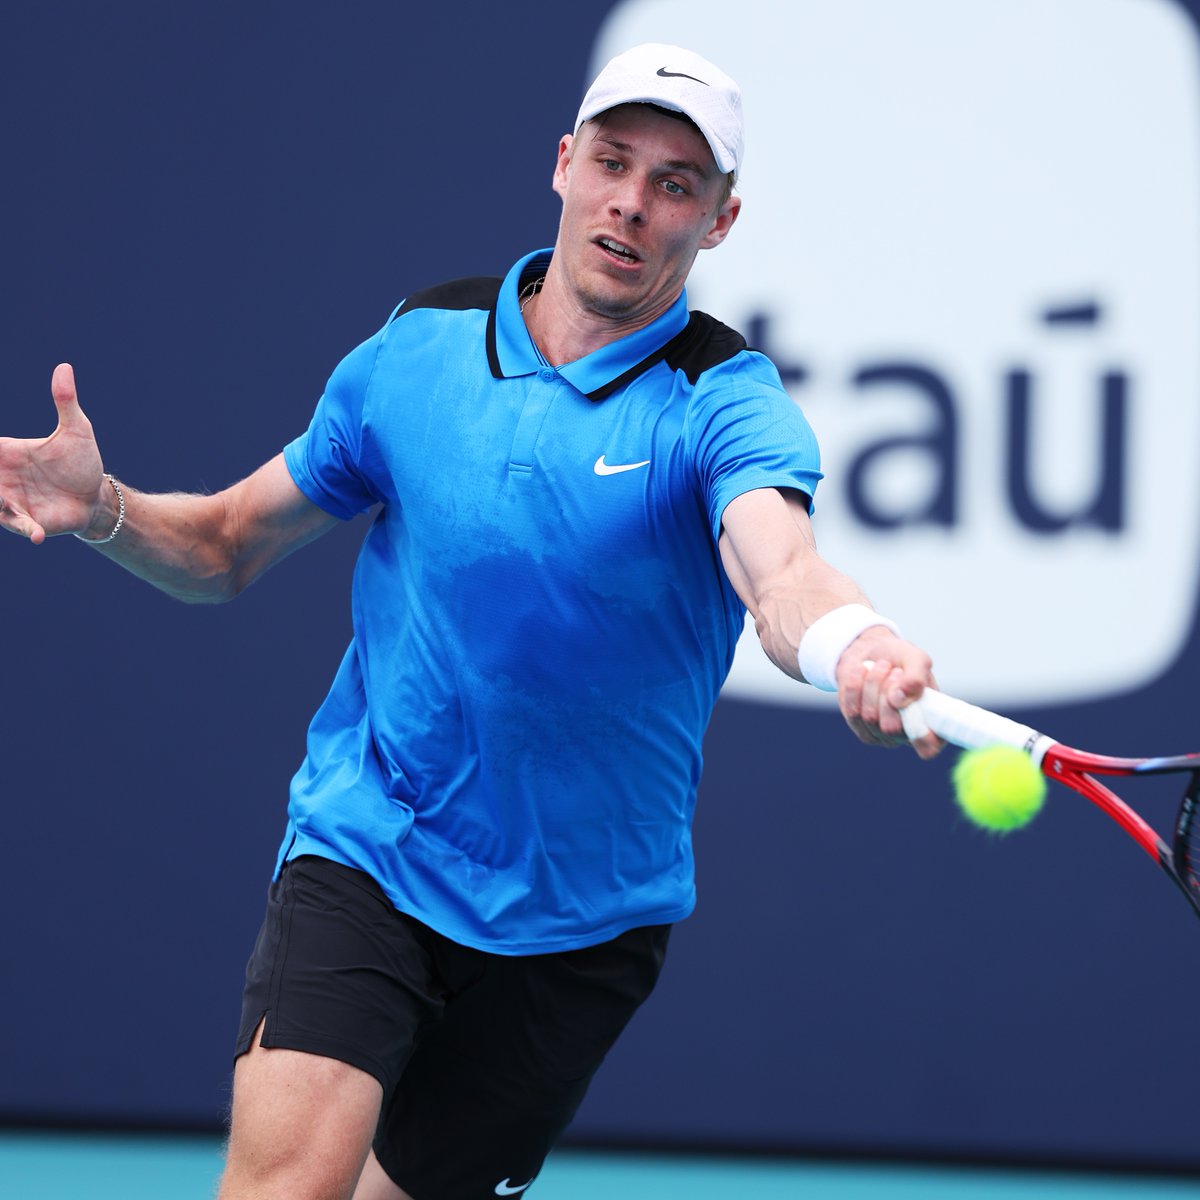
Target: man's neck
{"x": 564, "y": 330}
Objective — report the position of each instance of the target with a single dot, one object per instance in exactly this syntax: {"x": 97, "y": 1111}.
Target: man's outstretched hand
{"x": 52, "y": 485}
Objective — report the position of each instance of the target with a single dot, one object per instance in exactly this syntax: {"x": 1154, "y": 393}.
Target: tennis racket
{"x": 971, "y": 727}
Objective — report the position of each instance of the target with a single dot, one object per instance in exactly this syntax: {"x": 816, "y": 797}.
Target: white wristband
{"x": 827, "y": 637}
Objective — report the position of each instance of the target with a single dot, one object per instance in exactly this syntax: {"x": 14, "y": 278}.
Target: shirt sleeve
{"x": 327, "y": 462}
{"x": 748, "y": 433}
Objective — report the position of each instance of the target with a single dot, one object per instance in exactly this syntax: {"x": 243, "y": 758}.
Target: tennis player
{"x": 579, "y": 488}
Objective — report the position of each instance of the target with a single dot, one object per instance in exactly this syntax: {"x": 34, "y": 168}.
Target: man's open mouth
{"x": 619, "y": 250}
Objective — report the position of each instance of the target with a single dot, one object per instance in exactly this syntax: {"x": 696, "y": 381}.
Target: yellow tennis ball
{"x": 998, "y": 787}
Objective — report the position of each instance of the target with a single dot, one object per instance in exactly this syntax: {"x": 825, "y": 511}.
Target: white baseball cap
{"x": 678, "y": 79}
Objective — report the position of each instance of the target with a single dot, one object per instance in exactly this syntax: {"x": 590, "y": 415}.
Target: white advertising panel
{"x": 969, "y": 241}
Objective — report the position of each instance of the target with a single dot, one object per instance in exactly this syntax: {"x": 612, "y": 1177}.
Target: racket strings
{"x": 1187, "y": 838}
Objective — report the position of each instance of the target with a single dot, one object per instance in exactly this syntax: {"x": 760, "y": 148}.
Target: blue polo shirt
{"x": 512, "y": 744}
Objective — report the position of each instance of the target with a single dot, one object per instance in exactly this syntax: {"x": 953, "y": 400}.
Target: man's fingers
{"x": 867, "y": 706}
{"x": 876, "y": 703}
{"x": 924, "y": 741}
{"x": 928, "y": 746}
{"x": 66, "y": 399}
{"x": 20, "y": 523}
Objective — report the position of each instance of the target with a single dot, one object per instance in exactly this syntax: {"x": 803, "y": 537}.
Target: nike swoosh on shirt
{"x": 603, "y": 468}
{"x": 503, "y": 1189}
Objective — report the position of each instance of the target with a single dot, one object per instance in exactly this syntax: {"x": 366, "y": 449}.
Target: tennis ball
{"x": 998, "y": 787}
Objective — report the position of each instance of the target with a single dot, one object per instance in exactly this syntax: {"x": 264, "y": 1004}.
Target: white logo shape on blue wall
{"x": 969, "y": 241}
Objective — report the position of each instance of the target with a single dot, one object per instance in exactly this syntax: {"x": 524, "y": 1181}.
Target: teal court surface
{"x": 60, "y": 1166}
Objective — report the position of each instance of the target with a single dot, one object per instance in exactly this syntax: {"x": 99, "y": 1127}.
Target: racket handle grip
{"x": 967, "y": 725}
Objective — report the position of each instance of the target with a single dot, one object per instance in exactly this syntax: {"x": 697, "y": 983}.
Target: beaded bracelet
{"x": 120, "y": 516}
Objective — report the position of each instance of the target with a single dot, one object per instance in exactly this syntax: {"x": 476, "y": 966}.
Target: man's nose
{"x": 630, "y": 199}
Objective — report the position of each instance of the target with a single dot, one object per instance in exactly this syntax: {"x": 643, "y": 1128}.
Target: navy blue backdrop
{"x": 204, "y": 206}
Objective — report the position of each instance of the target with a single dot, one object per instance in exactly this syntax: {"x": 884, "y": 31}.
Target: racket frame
{"x": 972, "y": 727}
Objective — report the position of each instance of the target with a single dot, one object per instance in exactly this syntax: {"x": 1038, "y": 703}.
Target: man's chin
{"x": 612, "y": 301}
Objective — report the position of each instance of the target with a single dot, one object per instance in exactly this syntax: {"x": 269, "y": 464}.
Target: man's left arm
{"x": 770, "y": 555}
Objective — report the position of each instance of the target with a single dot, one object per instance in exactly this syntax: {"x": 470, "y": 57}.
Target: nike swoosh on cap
{"x": 603, "y": 468}
{"x": 678, "y": 75}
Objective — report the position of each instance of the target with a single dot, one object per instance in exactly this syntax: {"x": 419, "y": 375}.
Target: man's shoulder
{"x": 458, "y": 295}
{"x": 702, "y": 344}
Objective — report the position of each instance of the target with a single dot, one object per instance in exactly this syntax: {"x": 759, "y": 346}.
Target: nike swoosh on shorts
{"x": 503, "y": 1188}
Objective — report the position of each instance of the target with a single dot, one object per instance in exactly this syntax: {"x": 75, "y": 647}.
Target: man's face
{"x": 642, "y": 195}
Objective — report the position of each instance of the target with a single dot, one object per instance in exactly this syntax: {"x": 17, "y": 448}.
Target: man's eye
{"x": 674, "y": 188}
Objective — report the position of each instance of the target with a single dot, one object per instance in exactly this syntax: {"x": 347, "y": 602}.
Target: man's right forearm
{"x": 180, "y": 543}
{"x": 201, "y": 549}
{"x": 206, "y": 549}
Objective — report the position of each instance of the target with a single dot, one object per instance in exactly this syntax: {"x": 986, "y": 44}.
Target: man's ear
{"x": 564, "y": 161}
{"x": 722, "y": 223}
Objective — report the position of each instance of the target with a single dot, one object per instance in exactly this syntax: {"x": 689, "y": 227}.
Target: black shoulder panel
{"x": 702, "y": 343}
{"x": 478, "y": 292}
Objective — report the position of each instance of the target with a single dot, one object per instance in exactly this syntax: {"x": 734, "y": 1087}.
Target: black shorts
{"x": 483, "y": 1058}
